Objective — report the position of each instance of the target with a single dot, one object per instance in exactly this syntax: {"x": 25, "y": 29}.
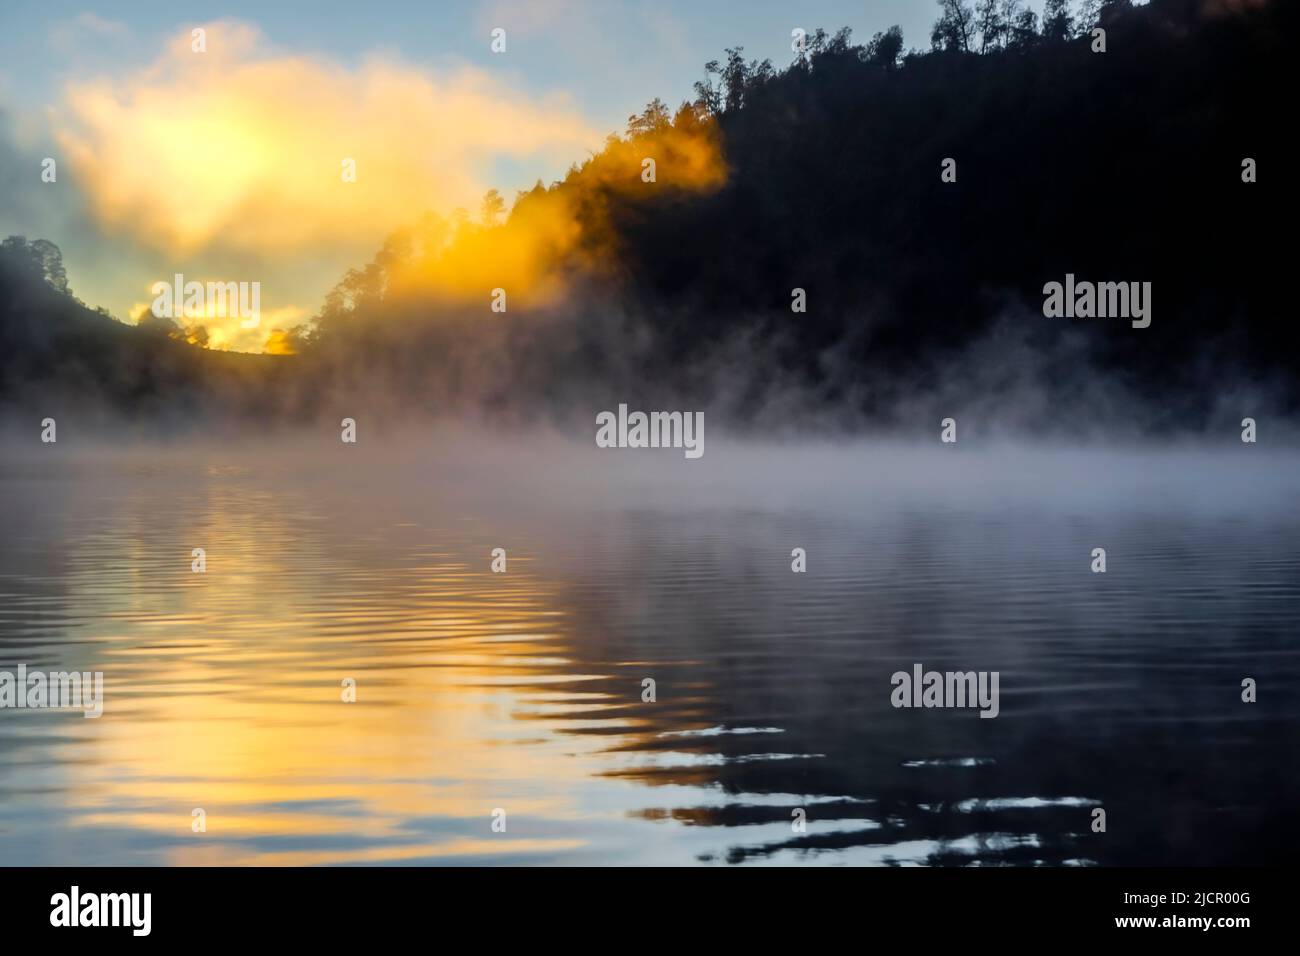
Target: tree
{"x": 736, "y": 80}
{"x": 885, "y": 48}
{"x": 955, "y": 28}
{"x": 817, "y": 43}
{"x": 1089, "y": 15}
{"x": 1058, "y": 24}
{"x": 992, "y": 25}
{"x": 1022, "y": 34}
{"x": 51, "y": 264}
{"x": 741, "y": 78}
{"x": 707, "y": 93}
{"x": 842, "y": 42}
{"x": 1012, "y": 10}
{"x": 39, "y": 258}
{"x": 159, "y": 325}
{"x": 493, "y": 206}
{"x": 654, "y": 117}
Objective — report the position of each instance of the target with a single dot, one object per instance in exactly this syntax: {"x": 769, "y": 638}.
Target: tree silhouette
{"x": 992, "y": 25}
{"x": 1058, "y": 24}
{"x": 653, "y": 118}
{"x": 885, "y": 48}
{"x": 955, "y": 28}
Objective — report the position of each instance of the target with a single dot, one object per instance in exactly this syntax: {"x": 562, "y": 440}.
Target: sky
{"x": 224, "y": 164}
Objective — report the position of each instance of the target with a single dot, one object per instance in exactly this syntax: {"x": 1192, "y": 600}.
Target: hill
{"x": 821, "y": 183}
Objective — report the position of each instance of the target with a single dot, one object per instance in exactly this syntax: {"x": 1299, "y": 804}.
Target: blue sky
{"x": 611, "y": 55}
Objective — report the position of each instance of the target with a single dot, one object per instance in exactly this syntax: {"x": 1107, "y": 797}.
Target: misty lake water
{"x": 522, "y": 691}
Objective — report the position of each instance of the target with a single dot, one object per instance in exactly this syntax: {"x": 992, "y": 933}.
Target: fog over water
{"x": 523, "y": 690}
{"x": 319, "y": 651}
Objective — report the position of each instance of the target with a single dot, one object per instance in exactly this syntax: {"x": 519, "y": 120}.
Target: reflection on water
{"x": 523, "y": 691}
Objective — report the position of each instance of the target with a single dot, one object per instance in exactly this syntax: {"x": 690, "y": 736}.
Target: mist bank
{"x": 496, "y": 470}
{"x": 102, "y": 381}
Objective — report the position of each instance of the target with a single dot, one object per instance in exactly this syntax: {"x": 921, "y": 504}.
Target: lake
{"x": 502, "y": 717}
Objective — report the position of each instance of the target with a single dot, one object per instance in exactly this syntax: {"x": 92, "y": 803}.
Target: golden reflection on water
{"x": 225, "y": 689}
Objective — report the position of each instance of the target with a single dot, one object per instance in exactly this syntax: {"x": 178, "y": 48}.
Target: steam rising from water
{"x": 522, "y": 690}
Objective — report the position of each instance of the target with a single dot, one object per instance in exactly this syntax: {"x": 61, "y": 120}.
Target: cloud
{"x": 241, "y": 147}
{"x": 69, "y": 36}
{"x": 553, "y": 235}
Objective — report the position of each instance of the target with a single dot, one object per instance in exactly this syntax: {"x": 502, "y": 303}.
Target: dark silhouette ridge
{"x": 924, "y": 297}
{"x": 62, "y": 359}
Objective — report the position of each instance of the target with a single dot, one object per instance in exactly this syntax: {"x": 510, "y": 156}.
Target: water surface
{"x": 523, "y": 691}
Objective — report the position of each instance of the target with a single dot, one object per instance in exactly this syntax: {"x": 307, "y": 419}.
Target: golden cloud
{"x": 243, "y": 148}
{"x": 550, "y": 230}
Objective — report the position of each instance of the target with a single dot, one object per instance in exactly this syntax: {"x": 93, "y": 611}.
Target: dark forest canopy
{"x": 923, "y": 296}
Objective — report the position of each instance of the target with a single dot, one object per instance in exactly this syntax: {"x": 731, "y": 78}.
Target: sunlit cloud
{"x": 548, "y": 230}
{"x": 218, "y": 327}
{"x": 232, "y": 164}
{"x": 242, "y": 147}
